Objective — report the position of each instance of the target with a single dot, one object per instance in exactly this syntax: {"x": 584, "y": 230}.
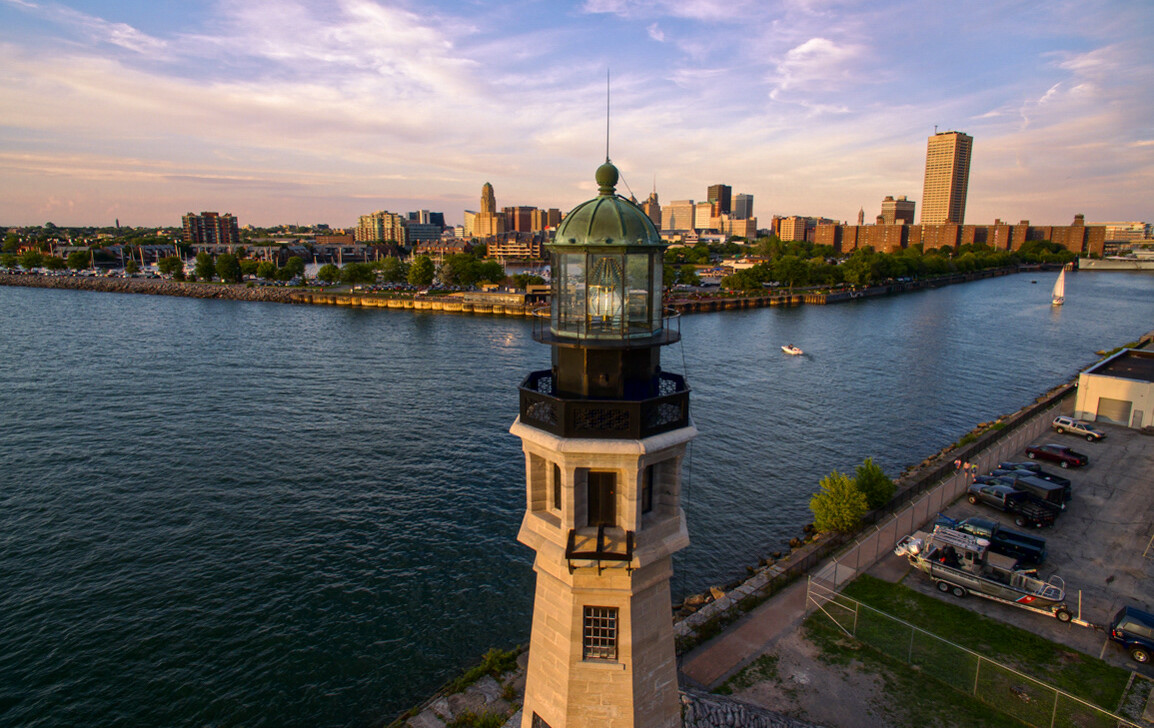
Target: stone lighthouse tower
{"x": 604, "y": 432}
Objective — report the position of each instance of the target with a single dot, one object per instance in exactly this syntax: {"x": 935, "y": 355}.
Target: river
{"x": 224, "y": 513}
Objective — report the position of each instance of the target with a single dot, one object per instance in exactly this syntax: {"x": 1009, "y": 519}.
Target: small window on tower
{"x": 556, "y": 487}
{"x": 600, "y": 634}
{"x": 647, "y": 488}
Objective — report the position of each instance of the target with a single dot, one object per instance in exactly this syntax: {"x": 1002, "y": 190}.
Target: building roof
{"x": 1127, "y": 364}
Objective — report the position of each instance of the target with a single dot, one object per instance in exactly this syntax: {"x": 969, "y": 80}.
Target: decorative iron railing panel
{"x": 543, "y": 408}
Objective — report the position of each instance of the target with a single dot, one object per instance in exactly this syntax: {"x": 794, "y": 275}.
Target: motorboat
{"x": 792, "y": 350}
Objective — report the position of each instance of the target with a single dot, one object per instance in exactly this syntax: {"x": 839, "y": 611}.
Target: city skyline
{"x": 307, "y": 112}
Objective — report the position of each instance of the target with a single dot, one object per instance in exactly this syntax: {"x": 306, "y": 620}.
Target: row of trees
{"x": 461, "y": 269}
{"x": 842, "y": 500}
{"x": 791, "y": 267}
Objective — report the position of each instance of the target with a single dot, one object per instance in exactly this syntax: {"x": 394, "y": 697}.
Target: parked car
{"x": 1065, "y": 424}
{"x": 1064, "y": 456}
{"x": 1134, "y": 629}
{"x": 1028, "y": 550}
{"x": 1028, "y": 509}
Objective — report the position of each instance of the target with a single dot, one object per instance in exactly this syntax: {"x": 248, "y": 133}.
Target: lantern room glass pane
{"x": 569, "y": 293}
{"x": 638, "y": 281}
{"x": 605, "y": 293}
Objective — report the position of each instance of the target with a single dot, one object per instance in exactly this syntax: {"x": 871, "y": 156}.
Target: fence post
{"x": 977, "y": 671}
{"x": 856, "y": 609}
{"x": 910, "y": 657}
{"x": 1054, "y": 715}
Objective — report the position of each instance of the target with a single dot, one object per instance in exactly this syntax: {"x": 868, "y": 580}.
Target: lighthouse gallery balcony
{"x": 634, "y": 419}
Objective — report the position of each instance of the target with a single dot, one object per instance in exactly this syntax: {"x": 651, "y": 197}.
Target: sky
{"x": 310, "y": 111}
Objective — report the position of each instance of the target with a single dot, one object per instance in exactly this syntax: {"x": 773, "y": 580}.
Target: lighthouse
{"x": 604, "y": 431}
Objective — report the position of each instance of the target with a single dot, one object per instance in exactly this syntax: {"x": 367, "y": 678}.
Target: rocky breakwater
{"x": 156, "y": 287}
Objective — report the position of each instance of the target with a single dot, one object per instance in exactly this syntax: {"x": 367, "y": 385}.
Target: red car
{"x": 1064, "y": 456}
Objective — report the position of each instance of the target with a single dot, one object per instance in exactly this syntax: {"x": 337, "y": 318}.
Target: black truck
{"x": 1028, "y": 509}
{"x": 1027, "y": 549}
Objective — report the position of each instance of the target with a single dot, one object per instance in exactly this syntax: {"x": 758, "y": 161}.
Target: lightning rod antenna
{"x": 606, "y": 114}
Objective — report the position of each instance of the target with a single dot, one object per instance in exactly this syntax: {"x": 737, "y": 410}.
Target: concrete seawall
{"x": 455, "y": 304}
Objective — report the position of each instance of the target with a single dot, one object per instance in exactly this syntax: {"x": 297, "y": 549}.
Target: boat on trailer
{"x": 961, "y": 564}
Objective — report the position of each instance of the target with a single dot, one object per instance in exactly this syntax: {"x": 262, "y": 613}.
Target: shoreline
{"x": 454, "y": 303}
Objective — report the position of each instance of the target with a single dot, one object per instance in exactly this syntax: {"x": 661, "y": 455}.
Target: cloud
{"x": 656, "y": 33}
{"x": 721, "y": 11}
{"x": 96, "y": 29}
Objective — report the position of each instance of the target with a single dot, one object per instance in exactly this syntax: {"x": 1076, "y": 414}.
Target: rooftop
{"x": 1127, "y": 364}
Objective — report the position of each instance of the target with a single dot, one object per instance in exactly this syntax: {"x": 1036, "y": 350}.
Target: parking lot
{"x": 1101, "y": 545}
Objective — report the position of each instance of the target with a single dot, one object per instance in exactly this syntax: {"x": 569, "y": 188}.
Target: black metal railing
{"x": 598, "y": 548}
{"x": 543, "y": 407}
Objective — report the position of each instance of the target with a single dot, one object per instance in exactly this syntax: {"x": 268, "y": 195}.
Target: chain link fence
{"x": 1002, "y": 687}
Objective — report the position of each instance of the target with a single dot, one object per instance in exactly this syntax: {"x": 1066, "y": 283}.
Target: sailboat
{"x": 1059, "y": 294}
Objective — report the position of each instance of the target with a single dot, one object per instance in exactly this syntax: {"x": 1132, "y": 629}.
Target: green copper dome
{"x": 607, "y": 219}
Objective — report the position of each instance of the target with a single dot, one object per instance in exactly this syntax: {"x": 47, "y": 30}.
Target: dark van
{"x": 1134, "y": 629}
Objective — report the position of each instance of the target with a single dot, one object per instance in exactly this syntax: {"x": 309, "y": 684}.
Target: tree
{"x": 359, "y": 273}
{"x": 790, "y": 270}
{"x": 171, "y": 266}
{"x": 295, "y": 267}
{"x": 871, "y": 481}
{"x": 131, "y": 266}
{"x": 7, "y": 260}
{"x": 393, "y": 270}
{"x": 329, "y": 273}
{"x": 30, "y": 259}
{"x": 687, "y": 275}
{"x": 78, "y": 259}
{"x": 266, "y": 270}
{"x": 522, "y": 281}
{"x": 459, "y": 269}
{"x": 205, "y": 267}
{"x": 53, "y": 262}
{"x": 228, "y": 268}
{"x": 11, "y": 243}
{"x": 248, "y": 266}
{"x": 491, "y": 271}
{"x": 421, "y": 272}
{"x": 839, "y": 505}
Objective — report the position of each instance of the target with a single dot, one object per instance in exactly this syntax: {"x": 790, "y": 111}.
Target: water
{"x": 221, "y": 513}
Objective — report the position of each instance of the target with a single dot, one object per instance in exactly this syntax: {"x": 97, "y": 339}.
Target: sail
{"x": 1059, "y": 294}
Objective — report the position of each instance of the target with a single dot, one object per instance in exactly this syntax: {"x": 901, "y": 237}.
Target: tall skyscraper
{"x": 488, "y": 199}
{"x": 488, "y": 221}
{"x": 743, "y": 207}
{"x": 719, "y": 197}
{"x": 947, "y": 178}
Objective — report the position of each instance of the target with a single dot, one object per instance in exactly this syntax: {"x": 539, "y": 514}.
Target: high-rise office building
{"x": 897, "y": 212}
{"x": 704, "y": 217}
{"x": 652, "y": 208}
{"x": 678, "y": 215}
{"x": 719, "y": 197}
{"x": 742, "y": 207}
{"x": 947, "y": 177}
{"x": 488, "y": 221}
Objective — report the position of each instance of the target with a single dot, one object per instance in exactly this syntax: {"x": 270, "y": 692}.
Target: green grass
{"x": 495, "y": 662}
{"x": 1081, "y": 675}
{"x": 910, "y": 700}
{"x": 762, "y": 669}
